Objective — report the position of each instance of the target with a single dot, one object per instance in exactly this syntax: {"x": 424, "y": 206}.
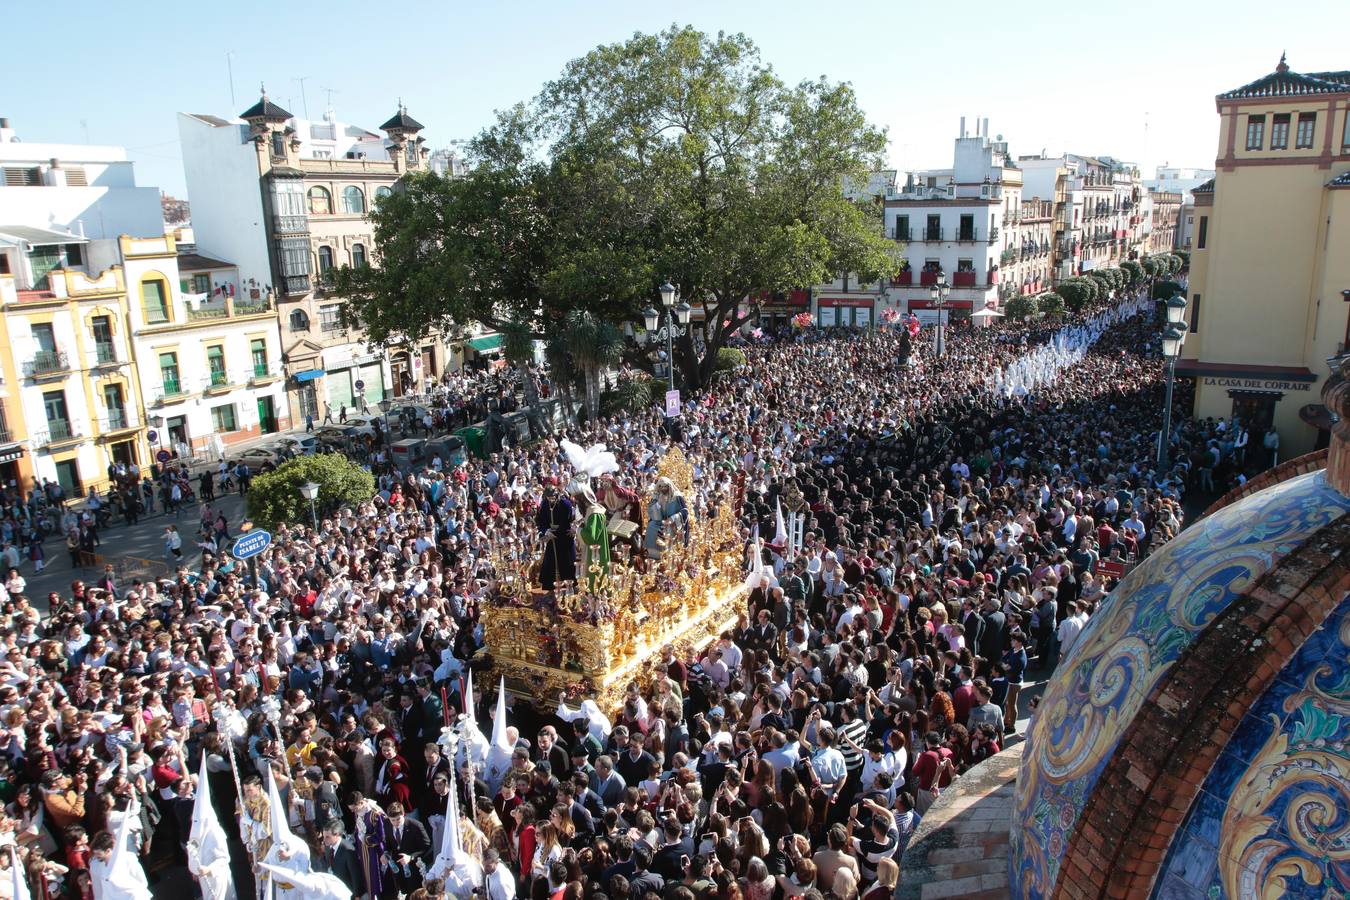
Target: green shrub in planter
{"x": 274, "y": 498}
{"x": 728, "y": 358}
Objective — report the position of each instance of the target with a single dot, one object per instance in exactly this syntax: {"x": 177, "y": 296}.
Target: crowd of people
{"x": 953, "y": 547}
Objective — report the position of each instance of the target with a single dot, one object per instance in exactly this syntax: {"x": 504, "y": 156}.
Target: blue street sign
{"x": 251, "y": 544}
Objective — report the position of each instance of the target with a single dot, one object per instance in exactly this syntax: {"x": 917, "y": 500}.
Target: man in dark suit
{"x": 410, "y": 718}
{"x": 995, "y": 636}
{"x": 408, "y": 844}
{"x": 972, "y": 623}
{"x": 339, "y": 858}
{"x": 433, "y": 715}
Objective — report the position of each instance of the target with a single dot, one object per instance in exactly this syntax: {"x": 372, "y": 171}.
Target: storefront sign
{"x": 1257, "y": 384}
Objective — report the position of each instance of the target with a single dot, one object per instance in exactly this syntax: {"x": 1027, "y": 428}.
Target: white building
{"x": 287, "y": 199}
{"x": 957, "y": 223}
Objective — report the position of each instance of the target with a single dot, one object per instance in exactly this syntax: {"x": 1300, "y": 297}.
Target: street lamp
{"x": 384, "y": 408}
{"x": 672, "y": 314}
{"x": 310, "y": 491}
{"x": 1172, "y": 339}
{"x": 938, "y": 294}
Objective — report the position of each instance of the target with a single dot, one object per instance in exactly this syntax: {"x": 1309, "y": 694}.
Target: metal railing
{"x": 47, "y": 362}
{"x": 57, "y": 430}
{"x": 105, "y": 353}
{"x": 116, "y": 420}
{"x": 6, "y": 436}
{"x": 266, "y": 370}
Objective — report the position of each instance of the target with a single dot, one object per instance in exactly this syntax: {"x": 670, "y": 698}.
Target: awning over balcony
{"x": 14, "y": 235}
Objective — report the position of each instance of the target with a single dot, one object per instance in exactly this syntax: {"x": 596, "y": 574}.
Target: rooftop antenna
{"x": 330, "y": 92}
{"x": 229, "y": 66}
{"x": 303, "y": 99}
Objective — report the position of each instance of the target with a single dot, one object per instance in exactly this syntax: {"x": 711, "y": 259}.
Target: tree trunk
{"x": 536, "y": 416}
{"x": 592, "y": 393}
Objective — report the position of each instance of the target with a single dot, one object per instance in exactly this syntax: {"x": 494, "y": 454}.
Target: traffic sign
{"x": 153, "y": 436}
{"x": 672, "y": 404}
{"x": 360, "y": 385}
{"x": 251, "y": 544}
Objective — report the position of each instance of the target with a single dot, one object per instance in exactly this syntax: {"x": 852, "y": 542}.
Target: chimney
{"x": 1336, "y": 396}
{"x": 984, "y": 127}
{"x": 962, "y": 132}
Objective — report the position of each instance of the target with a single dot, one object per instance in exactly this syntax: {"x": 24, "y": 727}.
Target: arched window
{"x": 320, "y": 201}
{"x": 299, "y": 321}
{"x": 358, "y": 256}
{"x": 383, "y": 191}
{"x": 325, "y": 260}
{"x": 353, "y": 201}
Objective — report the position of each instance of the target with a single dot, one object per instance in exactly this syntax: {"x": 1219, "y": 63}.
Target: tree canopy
{"x": 677, "y": 156}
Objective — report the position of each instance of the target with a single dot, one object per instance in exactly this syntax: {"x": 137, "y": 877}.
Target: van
{"x": 408, "y": 454}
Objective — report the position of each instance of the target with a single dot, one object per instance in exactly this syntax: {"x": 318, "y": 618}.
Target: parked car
{"x": 296, "y": 444}
{"x": 256, "y": 457}
{"x": 363, "y": 425}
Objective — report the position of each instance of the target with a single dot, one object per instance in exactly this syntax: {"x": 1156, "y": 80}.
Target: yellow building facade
{"x": 1269, "y": 289}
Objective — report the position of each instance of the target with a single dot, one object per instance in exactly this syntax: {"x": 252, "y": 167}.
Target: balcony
{"x": 218, "y": 382}
{"x": 290, "y": 224}
{"x": 963, "y": 279}
{"x": 929, "y": 235}
{"x": 927, "y": 278}
{"x": 47, "y": 362}
{"x": 903, "y": 279}
{"x": 117, "y": 420}
{"x": 58, "y": 431}
{"x": 295, "y": 285}
{"x": 105, "y": 353}
{"x": 899, "y": 234}
{"x": 264, "y": 372}
{"x": 169, "y": 392}
{"x": 229, "y": 309}
{"x": 993, "y": 233}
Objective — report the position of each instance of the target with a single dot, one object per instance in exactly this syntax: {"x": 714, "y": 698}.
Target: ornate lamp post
{"x": 1172, "y": 339}
{"x": 670, "y": 314}
{"x": 310, "y": 491}
{"x": 938, "y": 294}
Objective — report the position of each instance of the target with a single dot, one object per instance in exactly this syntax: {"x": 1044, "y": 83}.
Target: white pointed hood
{"x": 18, "y": 882}
{"x": 208, "y": 854}
{"x": 461, "y": 872}
{"x": 297, "y": 859}
{"x": 473, "y": 743}
{"x": 499, "y": 753}
{"x": 125, "y": 879}
{"x": 312, "y": 885}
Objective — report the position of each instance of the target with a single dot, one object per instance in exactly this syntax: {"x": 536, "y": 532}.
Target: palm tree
{"x": 561, "y": 372}
{"x": 518, "y": 348}
{"x": 594, "y": 346}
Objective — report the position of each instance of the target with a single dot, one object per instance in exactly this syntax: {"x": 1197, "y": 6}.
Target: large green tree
{"x": 675, "y": 156}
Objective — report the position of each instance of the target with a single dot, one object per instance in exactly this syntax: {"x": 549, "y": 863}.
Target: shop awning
{"x": 488, "y": 344}
{"x": 308, "y": 375}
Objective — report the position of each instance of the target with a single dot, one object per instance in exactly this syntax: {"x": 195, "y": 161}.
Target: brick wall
{"x": 1150, "y": 782}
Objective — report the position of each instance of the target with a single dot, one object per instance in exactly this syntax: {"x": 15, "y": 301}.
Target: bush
{"x": 1132, "y": 272}
{"x": 274, "y": 498}
{"x": 1184, "y": 256}
{"x": 1051, "y": 305}
{"x": 1150, "y": 266}
{"x": 1076, "y": 293}
{"x": 1174, "y": 263}
{"x": 631, "y": 395}
{"x": 728, "y": 358}
{"x": 1162, "y": 290}
{"x": 1021, "y": 307}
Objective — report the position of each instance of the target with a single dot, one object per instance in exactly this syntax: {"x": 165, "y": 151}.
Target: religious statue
{"x": 667, "y": 514}
{"x": 591, "y": 463}
{"x": 554, "y": 521}
{"x": 624, "y": 508}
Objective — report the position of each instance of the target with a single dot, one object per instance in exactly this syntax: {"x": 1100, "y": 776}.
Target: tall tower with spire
{"x": 407, "y": 150}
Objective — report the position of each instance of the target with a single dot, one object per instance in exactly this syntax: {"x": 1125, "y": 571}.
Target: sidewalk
{"x": 144, "y": 540}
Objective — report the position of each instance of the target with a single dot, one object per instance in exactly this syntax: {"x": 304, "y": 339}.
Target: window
{"x": 325, "y": 260}
{"x": 58, "y": 417}
{"x": 320, "y": 201}
{"x": 967, "y": 228}
{"x": 223, "y": 419}
{"x": 1256, "y": 132}
{"x": 288, "y": 198}
{"x": 103, "y": 339}
{"x": 44, "y": 335}
{"x": 382, "y": 191}
{"x": 1195, "y": 313}
{"x": 330, "y": 318}
{"x": 299, "y": 321}
{"x": 902, "y": 228}
{"x": 116, "y": 405}
{"x": 215, "y": 364}
{"x": 358, "y": 256}
{"x": 258, "y": 349}
{"x": 934, "y": 230}
{"x": 1204, "y": 230}
{"x": 168, "y": 373}
{"x": 1307, "y": 124}
{"x": 1279, "y": 132}
{"x": 201, "y": 284}
{"x": 74, "y": 254}
{"x": 353, "y": 200}
{"x": 154, "y": 302}
{"x": 279, "y": 145}
{"x": 26, "y": 176}
{"x": 965, "y": 265}
{"x": 75, "y": 176}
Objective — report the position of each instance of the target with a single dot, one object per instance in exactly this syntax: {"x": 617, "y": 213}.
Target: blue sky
{"x": 1063, "y": 76}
